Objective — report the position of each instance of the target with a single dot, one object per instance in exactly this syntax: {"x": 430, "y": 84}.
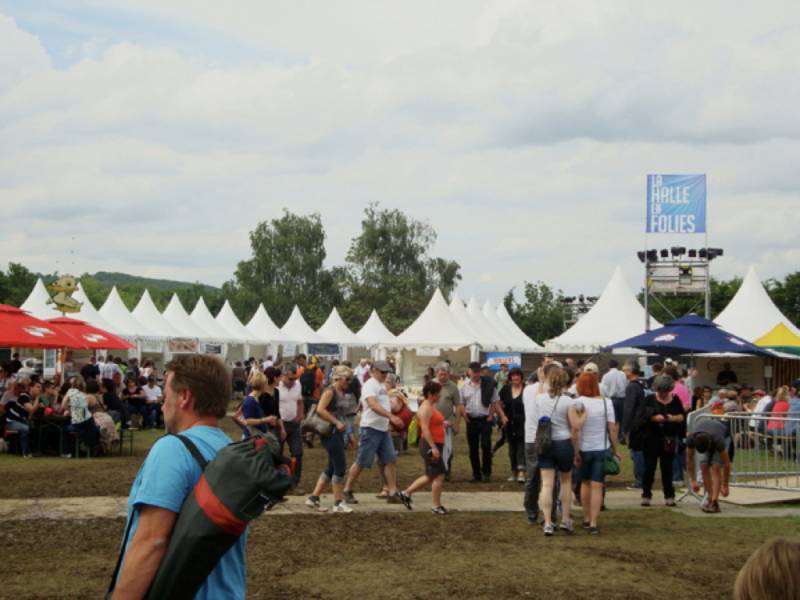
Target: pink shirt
{"x": 682, "y": 392}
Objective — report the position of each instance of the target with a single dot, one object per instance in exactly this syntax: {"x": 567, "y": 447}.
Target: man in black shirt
{"x": 91, "y": 370}
{"x": 634, "y": 397}
{"x": 15, "y": 364}
{"x": 727, "y": 375}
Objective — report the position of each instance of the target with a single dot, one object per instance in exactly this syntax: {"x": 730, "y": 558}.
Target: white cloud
{"x": 521, "y": 131}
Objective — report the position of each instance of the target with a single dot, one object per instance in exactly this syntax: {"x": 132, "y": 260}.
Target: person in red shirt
{"x": 779, "y": 409}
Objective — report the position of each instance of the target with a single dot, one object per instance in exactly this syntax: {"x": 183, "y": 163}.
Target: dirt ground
{"x": 53, "y": 477}
{"x": 638, "y": 555}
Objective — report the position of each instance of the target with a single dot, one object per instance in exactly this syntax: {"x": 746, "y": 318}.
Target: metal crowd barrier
{"x": 766, "y": 449}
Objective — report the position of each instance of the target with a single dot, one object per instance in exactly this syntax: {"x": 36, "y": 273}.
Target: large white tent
{"x": 37, "y": 304}
{"x": 509, "y": 337}
{"x": 436, "y": 327}
{"x": 526, "y": 343}
{"x": 203, "y": 317}
{"x": 336, "y": 332}
{"x": 477, "y": 317}
{"x": 477, "y": 330}
{"x": 751, "y": 313}
{"x": 297, "y": 328}
{"x": 180, "y": 320}
{"x": 375, "y": 333}
{"x": 230, "y": 322}
{"x": 147, "y": 314}
{"x": 115, "y": 312}
{"x": 262, "y": 327}
{"x": 615, "y": 316}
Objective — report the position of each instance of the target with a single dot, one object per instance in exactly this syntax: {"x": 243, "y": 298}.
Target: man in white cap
{"x": 374, "y": 437}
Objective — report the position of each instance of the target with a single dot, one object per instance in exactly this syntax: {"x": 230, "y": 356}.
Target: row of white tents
{"x": 441, "y": 327}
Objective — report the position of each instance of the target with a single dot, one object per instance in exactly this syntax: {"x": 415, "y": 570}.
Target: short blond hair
{"x": 257, "y": 379}
{"x": 771, "y": 572}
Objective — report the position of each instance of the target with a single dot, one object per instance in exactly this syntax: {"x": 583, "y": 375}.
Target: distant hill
{"x": 111, "y": 279}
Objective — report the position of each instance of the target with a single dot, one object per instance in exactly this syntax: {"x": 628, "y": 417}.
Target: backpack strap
{"x": 190, "y": 446}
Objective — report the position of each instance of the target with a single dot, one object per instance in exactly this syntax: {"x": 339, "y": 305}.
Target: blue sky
{"x": 161, "y": 133}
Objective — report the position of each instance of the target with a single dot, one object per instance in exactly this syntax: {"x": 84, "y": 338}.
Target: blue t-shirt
{"x": 251, "y": 409}
{"x": 165, "y": 479}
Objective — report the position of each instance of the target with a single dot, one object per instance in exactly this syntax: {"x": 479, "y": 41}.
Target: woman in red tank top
{"x": 431, "y": 443}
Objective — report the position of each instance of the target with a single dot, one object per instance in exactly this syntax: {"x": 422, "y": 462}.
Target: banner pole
{"x": 708, "y": 263}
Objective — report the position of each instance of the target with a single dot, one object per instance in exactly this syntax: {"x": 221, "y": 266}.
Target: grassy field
{"x": 640, "y": 553}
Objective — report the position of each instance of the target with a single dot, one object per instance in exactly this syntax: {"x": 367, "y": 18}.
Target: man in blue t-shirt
{"x": 196, "y": 394}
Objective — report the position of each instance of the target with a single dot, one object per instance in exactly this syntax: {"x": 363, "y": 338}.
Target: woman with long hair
{"x": 563, "y": 450}
{"x": 598, "y": 430}
{"x": 431, "y": 447}
{"x": 332, "y": 407}
{"x": 511, "y": 397}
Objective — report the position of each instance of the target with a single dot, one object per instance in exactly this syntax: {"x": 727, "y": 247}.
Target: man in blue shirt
{"x": 196, "y": 394}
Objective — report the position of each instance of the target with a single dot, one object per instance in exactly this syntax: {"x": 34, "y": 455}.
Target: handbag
{"x": 313, "y": 423}
{"x": 611, "y": 464}
{"x": 544, "y": 432}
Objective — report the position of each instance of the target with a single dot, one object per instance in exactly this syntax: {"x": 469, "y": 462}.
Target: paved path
{"x": 114, "y": 507}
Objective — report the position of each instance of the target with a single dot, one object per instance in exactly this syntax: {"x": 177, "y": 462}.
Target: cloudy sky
{"x": 149, "y": 136}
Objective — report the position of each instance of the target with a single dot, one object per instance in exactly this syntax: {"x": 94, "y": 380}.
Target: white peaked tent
{"x": 37, "y": 305}
{"x": 203, "y": 317}
{"x": 751, "y": 313}
{"x": 297, "y": 328}
{"x": 336, "y": 332}
{"x": 476, "y": 329}
{"x": 495, "y": 336}
{"x": 115, "y": 312}
{"x": 147, "y": 314}
{"x": 436, "y": 327}
{"x": 526, "y": 343}
{"x": 230, "y": 322}
{"x": 509, "y": 338}
{"x": 615, "y": 316}
{"x": 375, "y": 333}
{"x": 177, "y": 316}
{"x": 262, "y": 327}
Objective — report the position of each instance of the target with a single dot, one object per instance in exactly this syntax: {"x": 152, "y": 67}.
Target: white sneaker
{"x": 342, "y": 508}
{"x": 512, "y": 478}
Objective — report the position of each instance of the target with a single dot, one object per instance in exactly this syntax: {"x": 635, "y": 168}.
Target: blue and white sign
{"x": 495, "y": 359}
{"x": 676, "y": 204}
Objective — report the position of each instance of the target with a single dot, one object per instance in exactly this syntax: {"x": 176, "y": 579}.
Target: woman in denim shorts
{"x": 598, "y": 430}
{"x": 561, "y": 453}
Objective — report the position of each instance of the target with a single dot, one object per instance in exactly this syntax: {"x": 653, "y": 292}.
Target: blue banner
{"x": 676, "y": 204}
{"x": 495, "y": 359}
{"x": 323, "y": 349}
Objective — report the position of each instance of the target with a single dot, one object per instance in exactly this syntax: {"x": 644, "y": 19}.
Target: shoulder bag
{"x": 544, "y": 431}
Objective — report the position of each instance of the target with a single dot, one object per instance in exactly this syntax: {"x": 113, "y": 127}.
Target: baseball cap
{"x": 759, "y": 393}
{"x": 591, "y": 368}
{"x": 382, "y": 366}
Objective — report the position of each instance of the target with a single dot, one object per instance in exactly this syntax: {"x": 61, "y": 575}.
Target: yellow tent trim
{"x": 778, "y": 336}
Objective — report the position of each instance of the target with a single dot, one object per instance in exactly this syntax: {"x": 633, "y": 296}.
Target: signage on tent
{"x": 666, "y": 338}
{"x": 495, "y": 359}
{"x": 676, "y": 204}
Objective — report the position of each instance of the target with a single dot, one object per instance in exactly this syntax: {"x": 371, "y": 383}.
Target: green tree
{"x": 541, "y": 315}
{"x": 786, "y": 295}
{"x": 286, "y": 268}
{"x": 16, "y": 284}
{"x": 388, "y": 267}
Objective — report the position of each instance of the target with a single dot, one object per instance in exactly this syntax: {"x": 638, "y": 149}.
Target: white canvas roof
{"x": 477, "y": 329}
{"x": 147, "y": 314}
{"x": 262, "y": 327}
{"x": 505, "y": 319}
{"x": 752, "y": 313}
{"x": 36, "y": 304}
{"x": 228, "y": 319}
{"x": 203, "y": 317}
{"x": 495, "y": 335}
{"x": 509, "y": 338}
{"x": 177, "y": 316}
{"x": 374, "y": 332}
{"x": 115, "y": 312}
{"x": 436, "y": 327}
{"x": 615, "y": 316}
{"x": 297, "y": 328}
{"x": 335, "y": 331}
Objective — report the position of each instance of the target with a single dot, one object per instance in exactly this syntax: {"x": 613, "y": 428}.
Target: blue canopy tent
{"x": 691, "y": 334}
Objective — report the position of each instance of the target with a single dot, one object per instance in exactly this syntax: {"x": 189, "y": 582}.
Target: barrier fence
{"x": 766, "y": 449}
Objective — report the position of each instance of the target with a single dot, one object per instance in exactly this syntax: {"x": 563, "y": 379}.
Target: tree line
{"x": 388, "y": 267}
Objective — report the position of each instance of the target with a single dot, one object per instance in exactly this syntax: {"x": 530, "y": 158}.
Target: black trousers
{"x": 619, "y": 415}
{"x": 653, "y": 456}
{"x": 479, "y": 438}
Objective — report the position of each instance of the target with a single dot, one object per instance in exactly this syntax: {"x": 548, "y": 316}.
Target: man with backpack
{"x": 196, "y": 395}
